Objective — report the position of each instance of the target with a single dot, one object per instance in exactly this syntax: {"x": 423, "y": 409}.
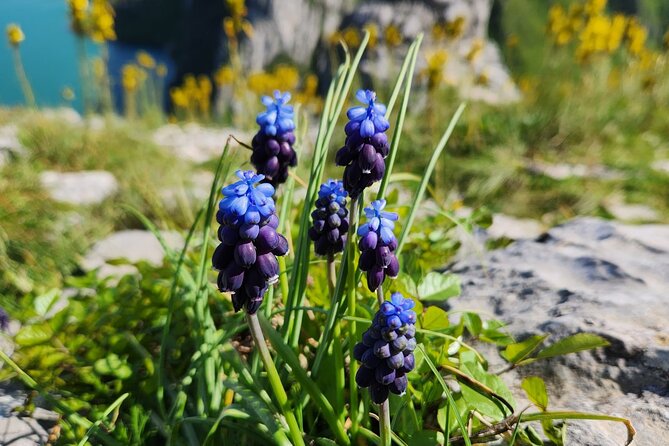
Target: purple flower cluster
{"x": 246, "y": 258}
{"x": 377, "y": 245}
{"x": 330, "y": 219}
{"x": 386, "y": 350}
{"x": 366, "y": 145}
{"x": 272, "y": 146}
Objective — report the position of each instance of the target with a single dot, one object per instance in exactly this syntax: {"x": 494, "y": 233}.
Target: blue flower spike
{"x": 273, "y": 151}
{"x": 246, "y": 257}
{"x": 377, "y": 245}
{"x": 366, "y": 145}
{"x": 386, "y": 350}
{"x": 330, "y": 219}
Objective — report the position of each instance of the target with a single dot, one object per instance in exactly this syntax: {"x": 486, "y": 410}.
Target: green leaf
{"x": 435, "y": 319}
{"x": 473, "y": 323}
{"x": 114, "y": 366}
{"x": 32, "y": 335}
{"x": 572, "y": 344}
{"x": 438, "y": 286}
{"x": 569, "y": 415}
{"x": 555, "y": 432}
{"x": 515, "y": 353}
{"x": 535, "y": 388}
{"x": 426, "y": 438}
{"x": 44, "y": 302}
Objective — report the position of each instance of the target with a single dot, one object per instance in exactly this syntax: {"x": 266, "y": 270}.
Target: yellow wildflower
{"x": 434, "y": 71}
{"x": 224, "y": 76}
{"x": 179, "y": 97}
{"x": 67, "y": 94}
{"x": 455, "y": 28}
{"x": 636, "y": 36}
{"x": 130, "y": 77}
{"x": 161, "y": 70}
{"x": 145, "y": 60}
{"x": 102, "y": 21}
{"x": 392, "y": 36}
{"x": 595, "y": 7}
{"x": 78, "y": 10}
{"x": 351, "y": 37}
{"x": 15, "y": 34}
{"x": 373, "y": 34}
{"x": 475, "y": 50}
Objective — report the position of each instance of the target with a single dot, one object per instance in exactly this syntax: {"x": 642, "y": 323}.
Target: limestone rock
{"x": 132, "y": 245}
{"x": 79, "y": 188}
{"x": 194, "y": 143}
{"x": 514, "y": 228}
{"x": 10, "y": 146}
{"x": 588, "y": 275}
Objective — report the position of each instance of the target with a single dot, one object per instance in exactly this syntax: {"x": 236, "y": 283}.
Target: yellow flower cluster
{"x": 434, "y": 71}
{"x": 283, "y": 77}
{"x": 14, "y": 34}
{"x": 448, "y": 30}
{"x": 132, "y": 77}
{"x": 352, "y": 36}
{"x": 94, "y": 19}
{"x": 595, "y": 31}
{"x": 193, "y": 96}
{"x": 145, "y": 60}
{"x": 225, "y": 75}
{"x": 236, "y": 22}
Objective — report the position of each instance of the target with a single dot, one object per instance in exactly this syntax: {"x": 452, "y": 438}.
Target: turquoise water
{"x": 49, "y": 51}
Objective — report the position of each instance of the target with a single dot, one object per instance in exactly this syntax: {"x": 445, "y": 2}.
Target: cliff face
{"x": 455, "y": 30}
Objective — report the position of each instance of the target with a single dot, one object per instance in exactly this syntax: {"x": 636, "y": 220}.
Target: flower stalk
{"x": 273, "y": 377}
{"x": 350, "y": 297}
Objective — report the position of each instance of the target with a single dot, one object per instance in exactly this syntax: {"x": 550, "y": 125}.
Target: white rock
{"x": 10, "y": 146}
{"x": 630, "y": 212}
{"x": 661, "y": 165}
{"x": 195, "y": 143}
{"x": 132, "y": 245}
{"x": 514, "y": 228}
{"x": 66, "y": 114}
{"x": 79, "y": 188}
{"x": 563, "y": 171}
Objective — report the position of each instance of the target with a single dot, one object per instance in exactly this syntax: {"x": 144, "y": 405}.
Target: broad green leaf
{"x": 32, "y": 335}
{"x": 114, "y": 366}
{"x": 515, "y": 353}
{"x": 535, "y": 389}
{"x": 435, "y": 319}
{"x": 438, "y": 286}
{"x": 44, "y": 302}
{"x": 555, "y": 432}
{"x": 473, "y": 323}
{"x": 572, "y": 344}
{"x": 426, "y": 438}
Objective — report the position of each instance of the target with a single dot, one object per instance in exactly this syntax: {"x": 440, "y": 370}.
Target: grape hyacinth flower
{"x": 386, "y": 350}
{"x": 246, "y": 258}
{"x": 4, "y": 320}
{"x": 366, "y": 145}
{"x": 377, "y": 245}
{"x": 272, "y": 146}
{"x": 330, "y": 219}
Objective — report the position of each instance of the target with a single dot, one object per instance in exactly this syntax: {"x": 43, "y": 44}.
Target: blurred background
{"x": 106, "y": 104}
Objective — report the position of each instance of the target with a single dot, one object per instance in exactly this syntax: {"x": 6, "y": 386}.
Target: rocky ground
{"x": 588, "y": 275}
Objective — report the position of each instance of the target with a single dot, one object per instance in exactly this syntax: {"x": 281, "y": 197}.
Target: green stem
{"x": 350, "y": 296}
{"x": 274, "y": 379}
{"x": 23, "y": 79}
{"x": 384, "y": 423}
{"x": 337, "y": 349}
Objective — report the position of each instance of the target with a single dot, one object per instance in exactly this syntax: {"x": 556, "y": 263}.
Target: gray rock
{"x": 131, "y": 245}
{"x": 661, "y": 166}
{"x": 514, "y": 228}
{"x": 197, "y": 144}
{"x": 10, "y": 146}
{"x": 65, "y": 114}
{"x": 629, "y": 212}
{"x": 79, "y": 188}
{"x": 23, "y": 430}
{"x": 588, "y": 275}
{"x": 563, "y": 171}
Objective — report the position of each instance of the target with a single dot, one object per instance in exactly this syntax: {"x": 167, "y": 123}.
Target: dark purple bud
{"x": 367, "y": 260}
{"x": 370, "y": 360}
{"x": 333, "y": 235}
{"x": 392, "y": 244}
{"x": 255, "y": 284}
{"x": 359, "y": 350}
{"x": 333, "y": 207}
{"x": 399, "y": 385}
{"x": 378, "y": 393}
{"x": 219, "y": 217}
{"x": 399, "y": 344}
{"x": 281, "y": 247}
{"x": 409, "y": 363}
{"x": 352, "y": 127}
{"x": 375, "y": 277}
{"x": 364, "y": 377}
{"x": 368, "y": 339}
{"x": 384, "y": 374}
{"x": 245, "y": 254}
{"x": 249, "y": 231}
{"x": 319, "y": 214}
{"x": 334, "y": 221}
{"x": 379, "y": 168}
{"x": 352, "y": 174}
{"x": 239, "y": 300}
{"x": 411, "y": 331}
{"x": 222, "y": 257}
{"x": 411, "y": 345}
{"x": 289, "y": 137}
{"x": 381, "y": 349}
{"x": 338, "y": 246}
{"x": 366, "y": 158}
{"x": 393, "y": 268}
{"x": 343, "y": 157}
{"x": 271, "y": 167}
{"x": 228, "y": 235}
{"x": 368, "y": 241}
{"x": 267, "y": 239}
{"x": 253, "y": 304}
{"x": 388, "y": 334}
{"x": 394, "y": 322}
{"x": 395, "y": 361}
{"x": 231, "y": 278}
{"x": 268, "y": 266}
{"x": 292, "y": 161}
{"x": 383, "y": 256}
{"x": 321, "y": 246}
{"x": 379, "y": 139}
{"x": 314, "y": 233}
{"x": 272, "y": 147}
{"x": 286, "y": 151}
{"x": 273, "y": 221}
{"x": 319, "y": 225}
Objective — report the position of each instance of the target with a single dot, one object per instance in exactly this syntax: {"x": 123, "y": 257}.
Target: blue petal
{"x": 286, "y": 97}
{"x": 367, "y": 128}
{"x": 270, "y": 130}
{"x": 379, "y": 204}
{"x": 266, "y": 101}
{"x": 374, "y": 223}
{"x": 356, "y": 113}
{"x": 386, "y": 235}
{"x": 380, "y": 123}
{"x": 363, "y": 230}
{"x": 397, "y": 299}
{"x": 252, "y": 216}
{"x": 389, "y": 215}
{"x": 380, "y": 109}
{"x": 266, "y": 189}
{"x": 387, "y": 309}
{"x": 238, "y": 188}
{"x": 361, "y": 95}
{"x": 387, "y": 223}
{"x": 239, "y": 205}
